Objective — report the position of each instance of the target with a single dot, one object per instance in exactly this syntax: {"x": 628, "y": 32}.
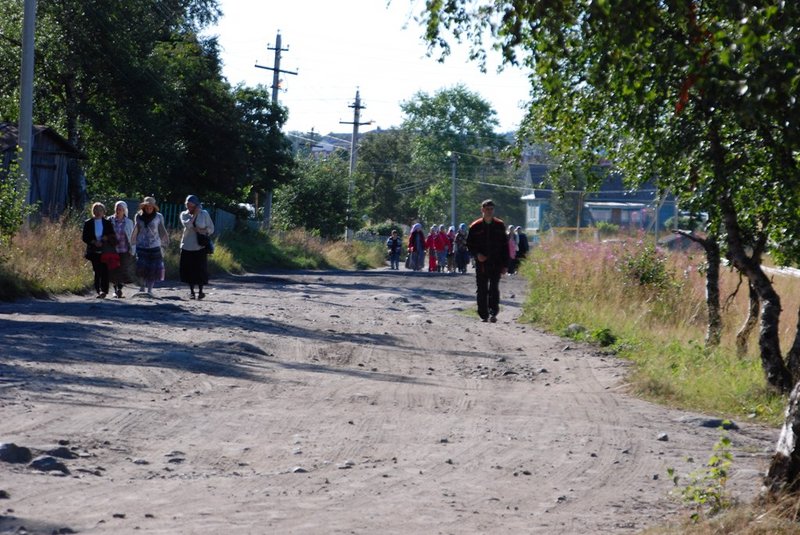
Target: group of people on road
{"x": 446, "y": 249}
{"x": 122, "y": 250}
{"x": 518, "y": 247}
{"x": 495, "y": 250}
{"x": 115, "y": 244}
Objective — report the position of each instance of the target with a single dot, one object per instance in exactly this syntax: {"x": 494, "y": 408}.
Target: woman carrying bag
{"x": 195, "y": 246}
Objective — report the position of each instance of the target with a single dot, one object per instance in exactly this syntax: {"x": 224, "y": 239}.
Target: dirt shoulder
{"x": 332, "y": 402}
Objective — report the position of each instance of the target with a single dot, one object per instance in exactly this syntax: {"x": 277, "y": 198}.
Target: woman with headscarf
{"x": 416, "y": 247}
{"x": 194, "y": 257}
{"x": 98, "y": 235}
{"x": 149, "y": 236}
{"x": 451, "y": 252}
{"x": 123, "y": 228}
{"x": 460, "y": 246}
{"x": 513, "y": 244}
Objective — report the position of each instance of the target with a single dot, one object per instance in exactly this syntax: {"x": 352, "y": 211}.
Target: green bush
{"x": 646, "y": 267}
{"x": 14, "y": 206}
{"x": 605, "y": 228}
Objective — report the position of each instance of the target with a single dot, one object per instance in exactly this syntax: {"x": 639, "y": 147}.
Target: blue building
{"x": 613, "y": 202}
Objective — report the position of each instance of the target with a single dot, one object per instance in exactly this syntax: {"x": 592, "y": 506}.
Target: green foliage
{"x": 14, "y": 206}
{"x": 316, "y": 199}
{"x": 645, "y": 266}
{"x": 605, "y": 228}
{"x": 138, "y": 90}
{"x": 456, "y": 126}
{"x": 385, "y": 175}
{"x": 603, "y": 336}
{"x": 706, "y": 488}
{"x": 383, "y": 229}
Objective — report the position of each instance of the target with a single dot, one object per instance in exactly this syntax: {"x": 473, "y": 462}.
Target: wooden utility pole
{"x": 25, "y": 129}
{"x": 357, "y": 107}
{"x": 276, "y": 72}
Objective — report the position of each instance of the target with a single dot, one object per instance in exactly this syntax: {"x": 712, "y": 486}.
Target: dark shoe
{"x": 101, "y": 295}
{"x": 192, "y": 296}
{"x": 201, "y": 295}
{"x": 493, "y": 319}
{"x": 118, "y": 294}
{"x": 484, "y": 320}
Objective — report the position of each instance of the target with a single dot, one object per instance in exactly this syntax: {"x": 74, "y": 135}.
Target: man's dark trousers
{"x": 488, "y": 281}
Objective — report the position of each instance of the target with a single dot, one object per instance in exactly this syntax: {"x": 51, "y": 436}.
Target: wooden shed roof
{"x": 9, "y": 134}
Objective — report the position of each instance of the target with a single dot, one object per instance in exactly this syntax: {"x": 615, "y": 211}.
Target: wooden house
{"x": 57, "y": 181}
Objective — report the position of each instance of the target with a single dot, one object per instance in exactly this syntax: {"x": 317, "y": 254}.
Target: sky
{"x": 340, "y": 46}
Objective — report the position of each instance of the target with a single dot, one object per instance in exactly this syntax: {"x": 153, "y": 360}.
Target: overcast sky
{"x": 343, "y": 45}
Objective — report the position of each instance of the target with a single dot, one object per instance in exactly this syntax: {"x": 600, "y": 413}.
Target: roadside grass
{"x": 47, "y": 258}
{"x": 648, "y": 306}
{"x": 740, "y": 520}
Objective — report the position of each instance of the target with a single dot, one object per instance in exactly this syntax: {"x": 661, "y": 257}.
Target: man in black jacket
{"x": 487, "y": 242}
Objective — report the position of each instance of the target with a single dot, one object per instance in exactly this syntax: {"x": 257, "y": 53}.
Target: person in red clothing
{"x": 432, "y": 245}
{"x": 488, "y": 243}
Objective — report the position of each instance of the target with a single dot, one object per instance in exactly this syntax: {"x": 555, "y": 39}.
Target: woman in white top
{"x": 194, "y": 257}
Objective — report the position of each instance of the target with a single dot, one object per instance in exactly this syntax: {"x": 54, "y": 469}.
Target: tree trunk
{"x": 711, "y": 247}
{"x": 776, "y": 372}
{"x": 714, "y": 328}
{"x": 775, "y": 369}
{"x": 743, "y": 336}
{"x": 784, "y": 469}
{"x": 793, "y": 358}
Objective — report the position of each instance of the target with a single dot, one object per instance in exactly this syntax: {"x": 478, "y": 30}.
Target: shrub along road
{"x": 332, "y": 402}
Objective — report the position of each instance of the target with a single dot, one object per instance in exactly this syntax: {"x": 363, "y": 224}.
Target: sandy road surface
{"x": 331, "y": 402}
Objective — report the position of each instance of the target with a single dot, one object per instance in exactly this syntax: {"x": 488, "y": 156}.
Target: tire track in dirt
{"x": 402, "y": 411}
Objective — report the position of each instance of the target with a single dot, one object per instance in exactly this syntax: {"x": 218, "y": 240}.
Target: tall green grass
{"x": 650, "y": 305}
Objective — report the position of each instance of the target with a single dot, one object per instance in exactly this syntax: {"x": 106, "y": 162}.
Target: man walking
{"x": 488, "y": 243}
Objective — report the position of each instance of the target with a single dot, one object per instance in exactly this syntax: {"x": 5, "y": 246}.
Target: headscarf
{"x": 194, "y": 199}
{"x": 124, "y": 207}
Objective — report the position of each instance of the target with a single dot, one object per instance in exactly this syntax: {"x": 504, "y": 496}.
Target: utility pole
{"x": 357, "y": 107}
{"x": 25, "y": 128}
{"x": 454, "y": 160}
{"x": 276, "y": 72}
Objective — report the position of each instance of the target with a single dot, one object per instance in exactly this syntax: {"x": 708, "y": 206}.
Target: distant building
{"x": 612, "y": 203}
{"x": 57, "y": 181}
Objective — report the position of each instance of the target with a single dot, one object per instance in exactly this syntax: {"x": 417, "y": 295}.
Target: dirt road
{"x": 331, "y": 402}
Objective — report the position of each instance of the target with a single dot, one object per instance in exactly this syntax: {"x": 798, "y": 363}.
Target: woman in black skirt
{"x": 194, "y": 257}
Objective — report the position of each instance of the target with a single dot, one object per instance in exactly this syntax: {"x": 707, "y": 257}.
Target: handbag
{"x": 112, "y": 260}
{"x": 204, "y": 240}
